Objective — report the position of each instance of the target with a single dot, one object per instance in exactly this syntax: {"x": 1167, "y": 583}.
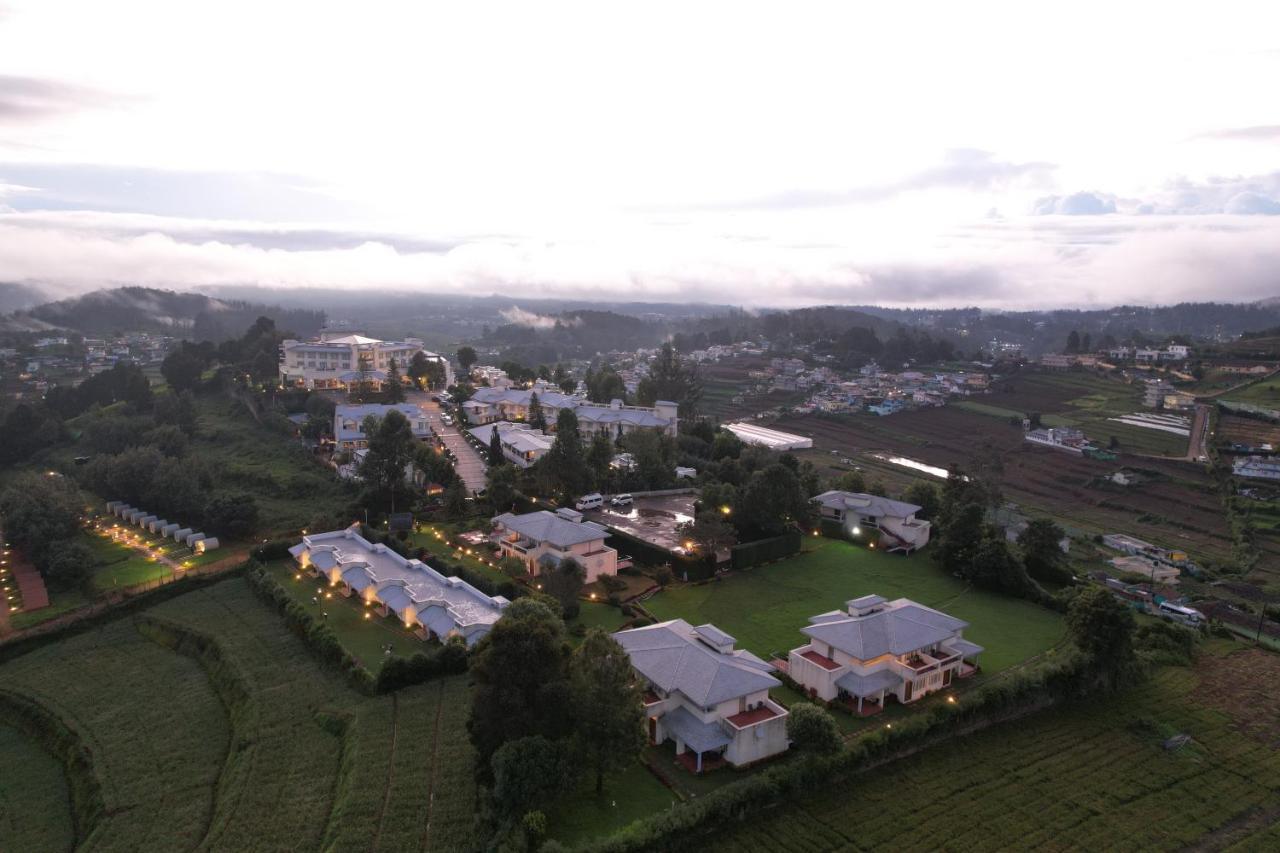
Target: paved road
{"x": 1198, "y": 446}
{"x": 469, "y": 465}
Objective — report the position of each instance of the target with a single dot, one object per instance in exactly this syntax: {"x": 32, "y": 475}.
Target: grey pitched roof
{"x": 543, "y": 526}
{"x": 671, "y": 656}
{"x": 965, "y": 647}
{"x": 902, "y": 627}
{"x": 697, "y": 735}
{"x": 871, "y": 506}
{"x": 866, "y": 601}
{"x": 714, "y": 634}
{"x": 869, "y": 684}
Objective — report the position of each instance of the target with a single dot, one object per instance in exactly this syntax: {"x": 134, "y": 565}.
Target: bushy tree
{"x": 563, "y": 470}
{"x": 466, "y": 358}
{"x": 812, "y": 729}
{"x": 38, "y": 511}
{"x": 608, "y": 726}
{"x": 391, "y": 450}
{"x": 66, "y": 564}
{"x": 231, "y": 514}
{"x": 924, "y": 495}
{"x": 528, "y": 772}
{"x": 1102, "y": 628}
{"x": 850, "y": 481}
{"x": 1041, "y": 552}
{"x": 771, "y": 504}
{"x": 178, "y": 410}
{"x": 496, "y": 456}
{"x": 564, "y": 582}
{"x": 183, "y": 368}
{"x": 995, "y": 566}
{"x": 600, "y": 453}
{"x": 26, "y": 430}
{"x": 500, "y": 487}
{"x": 708, "y": 532}
{"x": 168, "y": 439}
{"x": 670, "y": 379}
{"x": 521, "y": 680}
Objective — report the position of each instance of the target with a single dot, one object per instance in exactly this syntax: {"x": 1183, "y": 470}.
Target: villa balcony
{"x": 817, "y": 658}
{"x": 768, "y": 710}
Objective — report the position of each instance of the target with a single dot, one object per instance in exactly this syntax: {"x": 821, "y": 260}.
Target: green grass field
{"x": 1089, "y": 777}
{"x": 35, "y": 803}
{"x": 631, "y": 795}
{"x": 766, "y": 607}
{"x": 251, "y": 746}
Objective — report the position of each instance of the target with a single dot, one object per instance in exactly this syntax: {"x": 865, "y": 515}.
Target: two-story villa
{"x": 877, "y": 648}
{"x": 711, "y": 699}
{"x": 426, "y": 601}
{"x": 542, "y": 539}
{"x": 348, "y": 422}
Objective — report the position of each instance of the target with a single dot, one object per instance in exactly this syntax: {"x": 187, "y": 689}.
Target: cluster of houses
{"x": 872, "y": 389}
{"x": 58, "y": 360}
{"x": 1159, "y": 565}
{"x": 491, "y": 405}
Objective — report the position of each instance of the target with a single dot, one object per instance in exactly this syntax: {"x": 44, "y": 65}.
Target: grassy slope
{"x": 765, "y": 608}
{"x": 35, "y": 806}
{"x": 1091, "y": 776}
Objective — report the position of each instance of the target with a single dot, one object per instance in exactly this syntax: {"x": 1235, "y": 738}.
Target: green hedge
{"x": 750, "y": 554}
{"x": 652, "y": 555}
{"x": 687, "y": 825}
{"x": 398, "y": 672}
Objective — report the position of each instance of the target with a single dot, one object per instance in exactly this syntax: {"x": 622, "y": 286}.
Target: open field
{"x": 1089, "y": 776}
{"x": 1247, "y": 431}
{"x": 766, "y": 607}
{"x": 1265, "y": 393}
{"x": 212, "y": 727}
{"x": 1177, "y": 506}
{"x": 35, "y": 803}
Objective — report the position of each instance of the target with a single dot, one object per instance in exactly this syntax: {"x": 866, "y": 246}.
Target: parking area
{"x": 651, "y": 519}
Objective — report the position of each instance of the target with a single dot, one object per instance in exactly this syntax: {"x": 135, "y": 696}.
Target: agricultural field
{"x": 35, "y": 803}
{"x": 1088, "y": 776}
{"x": 829, "y": 573}
{"x": 1176, "y": 506}
{"x": 1264, "y": 393}
{"x": 211, "y": 727}
{"x": 1247, "y": 431}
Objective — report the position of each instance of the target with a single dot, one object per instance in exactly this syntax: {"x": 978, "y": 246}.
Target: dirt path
{"x": 435, "y": 755}
{"x": 391, "y": 771}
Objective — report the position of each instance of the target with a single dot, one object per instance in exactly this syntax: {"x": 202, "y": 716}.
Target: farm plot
{"x": 1178, "y": 506}
{"x": 156, "y": 730}
{"x": 1090, "y": 776}
{"x": 1247, "y": 431}
{"x": 211, "y": 727}
{"x": 35, "y": 802}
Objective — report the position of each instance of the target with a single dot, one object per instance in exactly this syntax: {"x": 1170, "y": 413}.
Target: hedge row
{"x": 398, "y": 672}
{"x": 687, "y": 825}
{"x": 750, "y": 554}
{"x": 319, "y": 637}
{"x": 32, "y": 718}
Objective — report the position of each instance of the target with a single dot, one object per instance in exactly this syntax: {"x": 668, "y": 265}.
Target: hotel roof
{"x": 673, "y": 657}
{"x": 902, "y": 627}
{"x": 543, "y": 526}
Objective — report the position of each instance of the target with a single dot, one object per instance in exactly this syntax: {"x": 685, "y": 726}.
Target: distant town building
{"x": 334, "y": 360}
{"x": 488, "y": 405}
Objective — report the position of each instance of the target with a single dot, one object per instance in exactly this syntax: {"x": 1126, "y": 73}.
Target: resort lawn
{"x": 765, "y": 607}
{"x": 594, "y": 615}
{"x": 363, "y": 637}
{"x": 628, "y": 796}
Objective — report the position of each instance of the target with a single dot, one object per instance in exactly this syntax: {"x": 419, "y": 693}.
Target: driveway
{"x": 469, "y": 465}
{"x": 652, "y": 520}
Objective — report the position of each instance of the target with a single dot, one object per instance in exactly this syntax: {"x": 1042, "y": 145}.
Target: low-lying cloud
{"x": 520, "y": 317}
{"x": 25, "y": 99}
{"x": 1256, "y": 195}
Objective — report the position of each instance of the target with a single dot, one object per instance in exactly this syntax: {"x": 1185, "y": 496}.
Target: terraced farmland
{"x": 210, "y": 727}
{"x": 1093, "y": 776}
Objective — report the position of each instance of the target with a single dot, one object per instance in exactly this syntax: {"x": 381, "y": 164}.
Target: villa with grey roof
{"x": 543, "y": 539}
{"x": 887, "y": 524}
{"x": 711, "y": 699}
{"x": 488, "y": 405}
{"x": 424, "y": 600}
{"x": 876, "y": 648}
{"x": 521, "y": 444}
{"x": 348, "y": 422}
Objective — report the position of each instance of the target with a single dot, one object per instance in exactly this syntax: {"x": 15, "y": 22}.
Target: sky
{"x": 1004, "y": 155}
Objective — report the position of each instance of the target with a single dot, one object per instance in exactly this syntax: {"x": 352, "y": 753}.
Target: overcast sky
{"x": 1020, "y": 154}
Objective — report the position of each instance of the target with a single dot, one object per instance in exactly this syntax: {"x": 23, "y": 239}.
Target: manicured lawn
{"x": 766, "y": 607}
{"x": 600, "y": 616}
{"x": 628, "y": 796}
{"x": 363, "y": 637}
{"x": 474, "y": 561}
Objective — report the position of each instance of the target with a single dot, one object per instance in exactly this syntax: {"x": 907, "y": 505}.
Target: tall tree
{"x": 1039, "y": 544}
{"x": 924, "y": 495}
{"x": 608, "y": 728}
{"x": 1102, "y": 627}
{"x": 495, "y": 447}
{"x": 455, "y": 499}
{"x": 1073, "y": 342}
{"x": 500, "y": 487}
{"x": 364, "y": 370}
{"x": 393, "y": 390}
{"x": 529, "y": 771}
{"x": 563, "y": 470}
{"x": 391, "y": 450}
{"x": 537, "y": 418}
{"x": 521, "y": 680}
{"x": 670, "y": 379}
{"x": 466, "y": 358}
{"x": 771, "y": 504}
{"x": 600, "y": 453}
{"x": 564, "y": 582}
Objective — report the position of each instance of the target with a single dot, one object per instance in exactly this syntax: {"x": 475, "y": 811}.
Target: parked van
{"x": 620, "y": 500}
{"x": 595, "y": 500}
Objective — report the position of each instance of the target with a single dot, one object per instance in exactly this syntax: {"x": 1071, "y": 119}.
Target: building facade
{"x": 876, "y": 648}
{"x": 891, "y": 525}
{"x": 489, "y": 405}
{"x": 521, "y": 445}
{"x": 542, "y": 539}
{"x": 334, "y": 360}
{"x": 348, "y": 422}
{"x": 710, "y": 699}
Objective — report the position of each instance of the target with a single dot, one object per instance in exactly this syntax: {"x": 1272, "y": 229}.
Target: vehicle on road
{"x": 621, "y": 500}
{"x": 595, "y": 500}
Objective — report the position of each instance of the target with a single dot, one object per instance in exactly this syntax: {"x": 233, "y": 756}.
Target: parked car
{"x": 595, "y": 500}
{"x": 621, "y": 500}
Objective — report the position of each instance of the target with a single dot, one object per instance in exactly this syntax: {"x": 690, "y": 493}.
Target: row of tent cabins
{"x": 712, "y": 699}
{"x": 196, "y": 541}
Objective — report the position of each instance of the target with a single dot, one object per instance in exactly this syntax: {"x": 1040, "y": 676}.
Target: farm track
{"x": 435, "y": 759}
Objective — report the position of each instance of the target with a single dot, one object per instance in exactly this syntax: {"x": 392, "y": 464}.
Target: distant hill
{"x": 531, "y": 338}
{"x": 16, "y": 297}
{"x": 143, "y": 309}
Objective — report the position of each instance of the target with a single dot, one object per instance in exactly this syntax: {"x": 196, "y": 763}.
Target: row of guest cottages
{"x": 699, "y": 691}
{"x": 193, "y": 539}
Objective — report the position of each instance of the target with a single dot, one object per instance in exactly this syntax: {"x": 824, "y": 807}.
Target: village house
{"x": 334, "y": 360}
{"x": 543, "y": 539}
{"x": 711, "y": 699}
{"x": 877, "y": 648}
{"x": 425, "y": 601}
{"x": 348, "y": 422}
{"x": 887, "y": 524}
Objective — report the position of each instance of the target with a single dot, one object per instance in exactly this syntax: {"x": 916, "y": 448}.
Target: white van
{"x": 595, "y": 500}
{"x": 621, "y": 500}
